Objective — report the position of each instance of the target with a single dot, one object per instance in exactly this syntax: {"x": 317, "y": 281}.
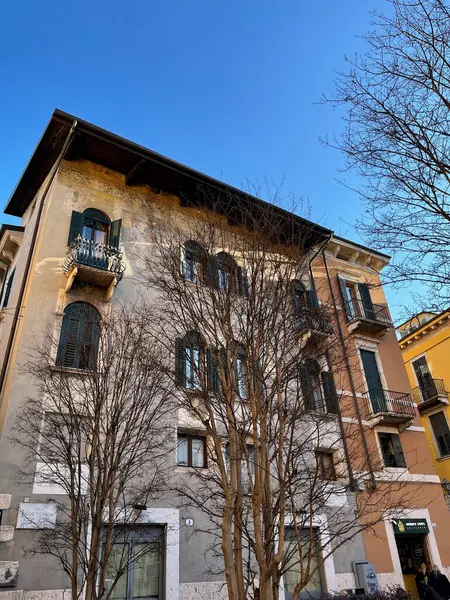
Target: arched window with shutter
{"x": 193, "y": 261}
{"x": 78, "y": 342}
{"x": 298, "y": 297}
{"x": 226, "y": 275}
{"x": 318, "y": 388}
{"x": 95, "y": 226}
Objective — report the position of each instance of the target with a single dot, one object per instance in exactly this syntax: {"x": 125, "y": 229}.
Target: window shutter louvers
{"x": 329, "y": 389}
{"x": 243, "y": 282}
{"x": 212, "y": 267}
{"x": 8, "y": 289}
{"x": 212, "y": 372}
{"x": 311, "y": 299}
{"x": 180, "y": 361}
{"x": 398, "y": 451}
{"x": 366, "y": 300}
{"x": 114, "y": 235}
{"x": 76, "y": 226}
{"x": 71, "y": 350}
{"x": 305, "y": 383}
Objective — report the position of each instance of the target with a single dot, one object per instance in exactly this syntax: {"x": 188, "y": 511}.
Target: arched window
{"x": 318, "y": 389}
{"x": 190, "y": 360}
{"x": 226, "y": 272}
{"x": 193, "y": 261}
{"x": 94, "y": 226}
{"x": 78, "y": 342}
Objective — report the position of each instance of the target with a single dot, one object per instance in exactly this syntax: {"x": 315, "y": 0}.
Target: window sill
{"x": 396, "y": 470}
{"x": 443, "y": 458}
{"x": 187, "y": 469}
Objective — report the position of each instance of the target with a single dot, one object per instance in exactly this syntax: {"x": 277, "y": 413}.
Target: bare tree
{"x": 100, "y": 434}
{"x": 397, "y": 100}
{"x": 253, "y": 354}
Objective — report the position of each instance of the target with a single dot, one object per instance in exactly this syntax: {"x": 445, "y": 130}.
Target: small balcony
{"x": 362, "y": 318}
{"x": 430, "y": 395}
{"x": 315, "y": 321}
{"x": 94, "y": 263}
{"x": 388, "y": 407}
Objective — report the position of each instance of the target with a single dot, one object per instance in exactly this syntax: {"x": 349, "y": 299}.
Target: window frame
{"x": 319, "y": 573}
{"x": 397, "y": 453}
{"x": 189, "y": 438}
{"x": 321, "y": 454}
{"x": 436, "y": 438}
{"x": 91, "y": 317}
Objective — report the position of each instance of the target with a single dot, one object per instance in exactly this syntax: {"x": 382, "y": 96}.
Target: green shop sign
{"x": 404, "y": 526}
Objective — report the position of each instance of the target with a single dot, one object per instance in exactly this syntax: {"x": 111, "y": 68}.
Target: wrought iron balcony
{"x": 95, "y": 263}
{"x": 368, "y": 319}
{"x": 314, "y": 320}
{"x": 386, "y": 406}
{"x": 430, "y": 394}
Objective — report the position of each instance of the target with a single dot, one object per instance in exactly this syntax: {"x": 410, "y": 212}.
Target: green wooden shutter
{"x": 180, "y": 362}
{"x": 212, "y": 372}
{"x": 8, "y": 289}
{"x": 243, "y": 283}
{"x": 114, "y": 233}
{"x": 311, "y": 299}
{"x": 306, "y": 386}
{"x": 347, "y": 307}
{"x": 366, "y": 300}
{"x": 212, "y": 267}
{"x": 76, "y": 226}
{"x": 398, "y": 450}
{"x": 329, "y": 390}
{"x": 69, "y": 341}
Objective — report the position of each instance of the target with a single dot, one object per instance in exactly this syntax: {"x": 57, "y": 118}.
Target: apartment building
{"x": 84, "y": 188}
{"x": 424, "y": 343}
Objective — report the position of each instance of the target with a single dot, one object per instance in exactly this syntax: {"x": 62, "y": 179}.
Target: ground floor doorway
{"x": 411, "y": 540}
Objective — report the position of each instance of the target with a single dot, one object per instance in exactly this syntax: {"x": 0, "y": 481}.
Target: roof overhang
{"x": 140, "y": 165}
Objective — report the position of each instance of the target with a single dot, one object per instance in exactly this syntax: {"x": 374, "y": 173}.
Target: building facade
{"x": 86, "y": 189}
{"x": 425, "y": 343}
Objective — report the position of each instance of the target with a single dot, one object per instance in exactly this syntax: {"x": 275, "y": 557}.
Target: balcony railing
{"x": 315, "y": 320}
{"x": 391, "y": 406}
{"x": 92, "y": 254}
{"x": 430, "y": 393}
{"x": 356, "y": 309}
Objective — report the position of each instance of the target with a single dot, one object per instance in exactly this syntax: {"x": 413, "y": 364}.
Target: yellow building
{"x": 425, "y": 346}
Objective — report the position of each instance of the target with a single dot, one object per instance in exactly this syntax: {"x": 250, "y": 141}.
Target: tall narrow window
{"x": 391, "y": 450}
{"x": 441, "y": 432}
{"x": 94, "y": 226}
{"x": 189, "y": 361}
{"x": 310, "y": 381}
{"x": 298, "y": 297}
{"x": 241, "y": 374}
{"x": 193, "y": 262}
{"x": 325, "y": 464}
{"x": 78, "y": 342}
{"x": 8, "y": 289}
{"x": 424, "y": 378}
{"x": 297, "y": 559}
{"x": 226, "y": 272}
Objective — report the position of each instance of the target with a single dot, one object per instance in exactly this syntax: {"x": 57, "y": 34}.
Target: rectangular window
{"x": 241, "y": 378}
{"x": 251, "y": 459}
{"x": 441, "y": 432}
{"x": 191, "y": 451}
{"x": 391, "y": 449}
{"x": 135, "y": 565}
{"x": 297, "y": 562}
{"x": 325, "y": 464}
{"x": 351, "y": 298}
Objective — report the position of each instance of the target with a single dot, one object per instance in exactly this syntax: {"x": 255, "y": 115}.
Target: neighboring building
{"x": 105, "y": 190}
{"x": 425, "y": 347}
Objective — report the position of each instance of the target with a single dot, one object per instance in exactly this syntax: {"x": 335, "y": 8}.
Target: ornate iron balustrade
{"x": 315, "y": 320}
{"x": 378, "y": 313}
{"x": 430, "y": 390}
{"x": 379, "y": 401}
{"x": 93, "y": 254}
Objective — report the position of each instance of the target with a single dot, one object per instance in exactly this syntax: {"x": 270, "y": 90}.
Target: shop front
{"x": 412, "y": 546}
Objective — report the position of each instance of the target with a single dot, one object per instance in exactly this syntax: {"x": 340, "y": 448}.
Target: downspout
{"x": 349, "y": 372}
{"x": 341, "y": 424}
{"x": 30, "y": 257}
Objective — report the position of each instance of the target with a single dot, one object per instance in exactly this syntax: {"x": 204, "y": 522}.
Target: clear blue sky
{"x": 228, "y": 88}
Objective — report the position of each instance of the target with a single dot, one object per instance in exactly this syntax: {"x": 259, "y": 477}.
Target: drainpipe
{"x": 341, "y": 424}
{"x": 30, "y": 257}
{"x": 349, "y": 372}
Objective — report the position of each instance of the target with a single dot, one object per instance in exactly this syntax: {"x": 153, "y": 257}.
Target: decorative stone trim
{"x": 63, "y": 594}
{"x": 5, "y": 501}
{"x": 11, "y": 595}
{"x": 6, "y": 533}
{"x": 9, "y": 573}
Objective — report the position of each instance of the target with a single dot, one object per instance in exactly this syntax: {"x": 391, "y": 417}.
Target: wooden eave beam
{"x": 132, "y": 177}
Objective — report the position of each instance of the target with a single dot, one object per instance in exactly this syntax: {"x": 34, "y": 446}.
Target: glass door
{"x": 373, "y": 379}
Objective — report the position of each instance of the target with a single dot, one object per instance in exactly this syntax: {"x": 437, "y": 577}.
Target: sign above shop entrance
{"x": 405, "y": 526}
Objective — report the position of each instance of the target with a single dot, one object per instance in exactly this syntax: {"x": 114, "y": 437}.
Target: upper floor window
{"x": 191, "y": 451}
{"x": 241, "y": 374}
{"x": 325, "y": 464}
{"x": 193, "y": 261}
{"x": 441, "y": 432}
{"x": 226, "y": 276}
{"x": 302, "y": 298}
{"x": 78, "y": 342}
{"x": 94, "y": 226}
{"x": 189, "y": 360}
{"x": 318, "y": 389}
{"x": 357, "y": 299}
{"x": 247, "y": 459}
{"x": 8, "y": 289}
{"x": 391, "y": 450}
